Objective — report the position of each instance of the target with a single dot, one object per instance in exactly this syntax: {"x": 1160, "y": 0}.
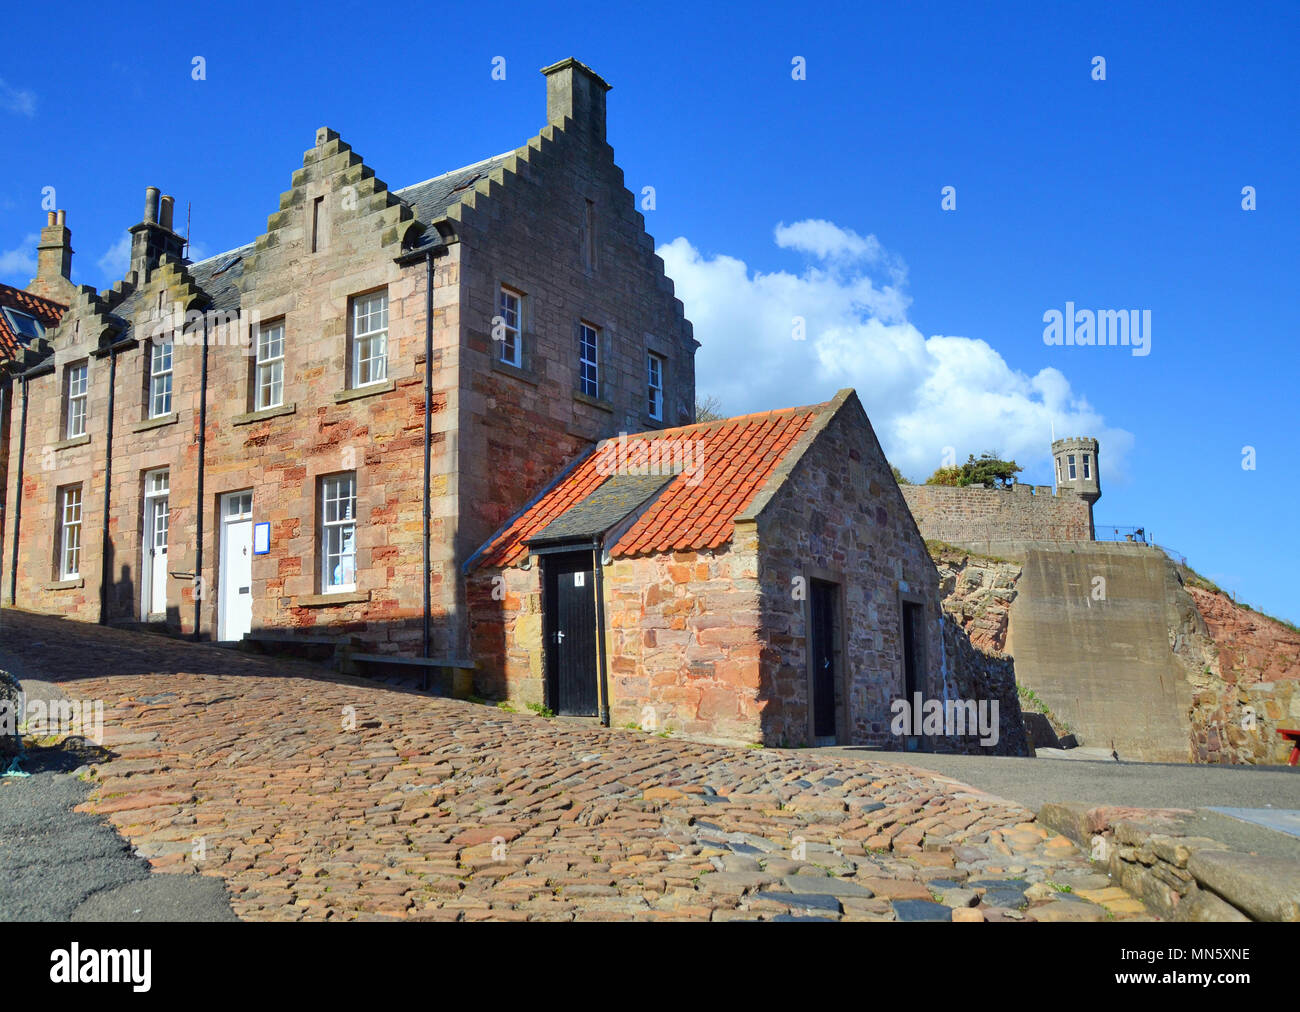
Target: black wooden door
{"x": 823, "y": 658}
{"x": 571, "y": 633}
{"x": 911, "y": 650}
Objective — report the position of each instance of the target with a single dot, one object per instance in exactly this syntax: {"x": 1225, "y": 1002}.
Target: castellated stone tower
{"x": 1076, "y": 468}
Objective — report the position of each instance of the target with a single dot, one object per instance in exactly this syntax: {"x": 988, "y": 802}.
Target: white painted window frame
{"x": 367, "y": 335}
{"x": 77, "y": 392}
{"x": 269, "y": 369}
{"x": 589, "y": 341}
{"x": 512, "y": 345}
{"x": 70, "y": 511}
{"x": 340, "y": 522}
{"x": 655, "y": 365}
{"x": 161, "y": 358}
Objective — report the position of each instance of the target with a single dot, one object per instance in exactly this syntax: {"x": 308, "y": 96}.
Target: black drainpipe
{"x": 428, "y": 433}
{"x": 18, "y": 500}
{"x": 199, "y": 585}
{"x": 599, "y": 569}
{"x": 105, "y": 564}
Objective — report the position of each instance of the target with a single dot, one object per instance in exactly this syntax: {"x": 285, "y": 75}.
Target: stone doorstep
{"x": 1217, "y": 883}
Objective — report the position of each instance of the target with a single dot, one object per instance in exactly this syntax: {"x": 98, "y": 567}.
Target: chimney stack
{"x": 54, "y": 260}
{"x": 153, "y": 238}
{"x": 576, "y": 92}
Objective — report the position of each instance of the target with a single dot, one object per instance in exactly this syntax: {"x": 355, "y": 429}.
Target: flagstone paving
{"x": 316, "y": 796}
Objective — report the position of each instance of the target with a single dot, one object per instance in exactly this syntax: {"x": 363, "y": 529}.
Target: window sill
{"x": 155, "y": 423}
{"x": 67, "y": 444}
{"x": 80, "y": 581}
{"x": 594, "y": 402}
{"x": 262, "y": 415}
{"x": 343, "y": 396}
{"x": 654, "y": 423}
{"x": 518, "y": 372}
{"x": 325, "y": 600}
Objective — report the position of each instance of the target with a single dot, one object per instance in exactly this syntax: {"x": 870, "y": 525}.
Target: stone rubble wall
{"x": 1179, "y": 876}
{"x": 1020, "y": 513}
{"x": 839, "y": 518}
{"x": 974, "y": 674}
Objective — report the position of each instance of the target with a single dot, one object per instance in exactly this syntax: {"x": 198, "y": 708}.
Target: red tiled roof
{"x": 45, "y": 310}
{"x": 727, "y": 463}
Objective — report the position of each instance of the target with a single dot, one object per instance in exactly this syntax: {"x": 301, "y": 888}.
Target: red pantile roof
{"x": 45, "y": 310}
{"x": 723, "y": 465}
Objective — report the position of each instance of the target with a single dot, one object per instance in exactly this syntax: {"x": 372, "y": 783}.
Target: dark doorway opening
{"x": 570, "y": 617}
{"x": 824, "y": 667}
{"x": 913, "y": 624}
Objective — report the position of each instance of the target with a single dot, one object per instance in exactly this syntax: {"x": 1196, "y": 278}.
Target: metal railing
{"x": 1122, "y": 532}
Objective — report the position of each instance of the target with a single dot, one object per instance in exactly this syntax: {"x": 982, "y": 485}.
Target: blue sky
{"x": 817, "y": 198}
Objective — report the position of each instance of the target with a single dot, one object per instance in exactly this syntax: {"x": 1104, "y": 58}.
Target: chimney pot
{"x": 54, "y": 260}
{"x": 165, "y": 211}
{"x": 151, "y": 205}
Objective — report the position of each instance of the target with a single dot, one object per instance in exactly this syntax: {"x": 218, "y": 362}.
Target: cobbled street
{"x": 320, "y": 797}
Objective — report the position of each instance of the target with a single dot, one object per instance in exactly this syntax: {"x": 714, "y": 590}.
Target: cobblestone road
{"x": 316, "y": 796}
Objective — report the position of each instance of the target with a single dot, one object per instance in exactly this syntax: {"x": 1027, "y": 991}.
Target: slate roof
{"x": 605, "y": 508}
{"x": 45, "y": 310}
{"x": 429, "y": 200}
{"x": 724, "y": 466}
{"x": 432, "y": 199}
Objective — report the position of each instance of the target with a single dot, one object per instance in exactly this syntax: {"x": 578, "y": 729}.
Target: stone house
{"x": 25, "y": 317}
{"x": 309, "y": 434}
{"x": 756, "y": 578}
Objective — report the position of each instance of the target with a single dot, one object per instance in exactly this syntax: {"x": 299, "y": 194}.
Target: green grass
{"x": 1192, "y": 578}
{"x": 1029, "y": 701}
{"x": 939, "y": 549}
{"x": 541, "y": 711}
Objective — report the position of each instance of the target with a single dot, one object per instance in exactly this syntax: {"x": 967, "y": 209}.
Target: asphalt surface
{"x": 61, "y": 865}
{"x": 1034, "y": 782}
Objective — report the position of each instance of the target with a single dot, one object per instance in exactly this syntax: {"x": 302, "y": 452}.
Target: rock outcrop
{"x": 1247, "y": 687}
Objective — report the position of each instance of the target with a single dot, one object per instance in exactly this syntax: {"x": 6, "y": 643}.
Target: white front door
{"x": 235, "y": 583}
{"x": 154, "y": 562}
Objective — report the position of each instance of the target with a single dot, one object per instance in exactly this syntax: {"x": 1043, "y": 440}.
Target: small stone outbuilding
{"x": 757, "y": 578}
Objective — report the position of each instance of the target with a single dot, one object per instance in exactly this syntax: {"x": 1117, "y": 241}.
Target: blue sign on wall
{"x": 261, "y": 538}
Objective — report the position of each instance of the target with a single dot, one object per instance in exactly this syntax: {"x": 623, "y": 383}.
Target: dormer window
{"x": 24, "y": 325}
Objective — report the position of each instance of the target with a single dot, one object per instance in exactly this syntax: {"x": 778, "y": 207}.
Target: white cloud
{"x": 20, "y": 262}
{"x": 922, "y": 394}
{"x": 17, "y": 100}
{"x": 115, "y": 262}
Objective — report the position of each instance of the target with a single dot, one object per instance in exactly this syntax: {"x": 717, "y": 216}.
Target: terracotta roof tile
{"x": 729, "y": 461}
{"x": 45, "y": 310}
